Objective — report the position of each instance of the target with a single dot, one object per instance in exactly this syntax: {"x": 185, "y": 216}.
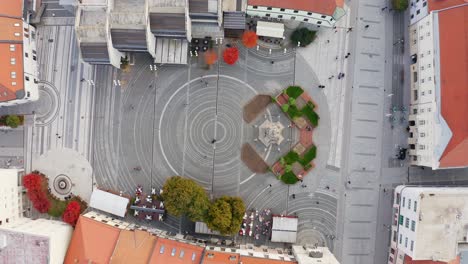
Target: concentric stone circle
{"x": 48, "y": 104}
{"x": 62, "y": 184}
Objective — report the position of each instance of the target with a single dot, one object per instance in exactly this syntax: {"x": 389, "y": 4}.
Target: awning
{"x": 172, "y": 51}
{"x": 108, "y": 202}
{"x": 284, "y": 229}
{"x": 270, "y": 29}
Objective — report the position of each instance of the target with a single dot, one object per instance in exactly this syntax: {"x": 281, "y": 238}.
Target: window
{"x": 418, "y": 12}
{"x": 306, "y": 19}
{"x": 12, "y": 61}
{"x": 415, "y": 93}
{"x": 182, "y": 253}
{"x": 255, "y": 7}
{"x": 309, "y": 13}
{"x": 268, "y": 8}
{"x": 13, "y": 75}
{"x": 415, "y": 76}
{"x": 422, "y": 122}
{"x": 26, "y": 78}
{"x": 421, "y": 147}
{"x": 429, "y": 109}
{"x": 422, "y": 68}
{"x": 399, "y": 241}
{"x": 428, "y": 34}
{"x": 415, "y": 206}
{"x": 26, "y": 54}
{"x": 293, "y": 18}
{"x": 409, "y": 203}
{"x": 16, "y": 24}
{"x": 412, "y": 16}
{"x": 17, "y": 34}
{"x": 161, "y": 250}
{"x": 406, "y": 241}
{"x": 415, "y": 111}
{"x": 12, "y": 47}
{"x": 421, "y": 38}
{"x": 428, "y": 52}
{"x": 429, "y": 79}
{"x": 319, "y": 22}
{"x": 429, "y": 66}
{"x": 422, "y": 110}
{"x": 422, "y": 81}
{"x": 280, "y": 16}
{"x": 282, "y": 9}
{"x": 400, "y": 220}
{"x": 34, "y": 57}
{"x": 267, "y": 15}
{"x": 13, "y": 83}
{"x": 323, "y": 16}
{"x": 194, "y": 256}
{"x": 415, "y": 158}
{"x": 406, "y": 222}
{"x": 404, "y": 200}
{"x": 424, "y": 4}
{"x": 421, "y": 135}
{"x": 295, "y": 11}
{"x": 412, "y": 245}
{"x": 413, "y": 225}
{"x": 422, "y": 93}
{"x": 174, "y": 250}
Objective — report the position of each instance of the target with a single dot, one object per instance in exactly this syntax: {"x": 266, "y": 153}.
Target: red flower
{"x": 231, "y": 55}
{"x": 249, "y": 39}
{"x": 32, "y": 181}
{"x": 210, "y": 57}
{"x": 72, "y": 212}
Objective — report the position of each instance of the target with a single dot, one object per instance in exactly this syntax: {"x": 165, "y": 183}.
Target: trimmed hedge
{"x": 291, "y": 157}
{"x": 311, "y": 115}
{"x": 309, "y": 156}
{"x": 294, "y": 91}
{"x": 293, "y": 112}
{"x": 289, "y": 178}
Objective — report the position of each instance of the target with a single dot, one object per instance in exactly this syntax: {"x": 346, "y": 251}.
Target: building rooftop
{"x": 92, "y": 241}
{"x": 128, "y": 14}
{"x": 92, "y": 25}
{"x": 216, "y": 257}
{"x": 175, "y": 252}
{"x": 326, "y": 7}
{"x": 133, "y": 247}
{"x": 12, "y": 8}
{"x": 408, "y": 260}
{"x": 441, "y": 4}
{"x": 453, "y": 46}
{"x": 254, "y": 260}
{"x": 284, "y": 229}
{"x": 314, "y": 255}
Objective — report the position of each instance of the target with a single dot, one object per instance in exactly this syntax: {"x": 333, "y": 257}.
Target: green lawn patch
{"x": 309, "y": 156}
{"x": 294, "y": 91}
{"x": 289, "y": 178}
{"x": 311, "y": 115}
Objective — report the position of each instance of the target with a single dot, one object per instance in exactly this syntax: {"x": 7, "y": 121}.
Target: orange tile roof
{"x": 408, "y": 260}
{"x": 133, "y": 247}
{"x": 441, "y": 4}
{"x": 326, "y": 7}
{"x": 91, "y": 241}
{"x": 216, "y": 257}
{"x": 12, "y": 8}
{"x": 254, "y": 260}
{"x": 453, "y": 42}
{"x": 183, "y": 253}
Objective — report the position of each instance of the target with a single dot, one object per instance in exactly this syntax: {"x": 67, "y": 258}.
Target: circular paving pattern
{"x": 48, "y": 105}
{"x": 62, "y": 184}
{"x": 213, "y": 127}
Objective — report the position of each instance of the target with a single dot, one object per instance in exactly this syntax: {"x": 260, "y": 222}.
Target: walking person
{"x": 366, "y": 26}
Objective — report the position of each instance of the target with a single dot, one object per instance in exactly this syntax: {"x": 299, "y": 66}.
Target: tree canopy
{"x": 185, "y": 197}
{"x": 225, "y": 215}
{"x": 13, "y": 121}
{"x": 249, "y": 39}
{"x": 231, "y": 55}
{"x": 211, "y": 57}
{"x": 302, "y": 36}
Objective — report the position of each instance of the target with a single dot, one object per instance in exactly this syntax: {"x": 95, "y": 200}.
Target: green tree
{"x": 225, "y": 215}
{"x": 285, "y": 108}
{"x": 302, "y": 36}
{"x": 185, "y": 197}
{"x": 400, "y": 5}
{"x": 12, "y": 121}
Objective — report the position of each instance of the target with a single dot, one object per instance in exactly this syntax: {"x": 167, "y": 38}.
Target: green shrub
{"x": 311, "y": 115}
{"x": 289, "y": 178}
{"x": 57, "y": 207}
{"x": 294, "y": 91}
{"x": 285, "y": 108}
{"x": 291, "y": 157}
{"x": 293, "y": 112}
{"x": 307, "y": 166}
{"x": 273, "y": 99}
{"x": 309, "y": 156}
{"x": 12, "y": 121}
{"x": 282, "y": 161}
{"x": 291, "y": 101}
{"x": 288, "y": 168}
{"x": 302, "y": 35}
{"x": 400, "y": 5}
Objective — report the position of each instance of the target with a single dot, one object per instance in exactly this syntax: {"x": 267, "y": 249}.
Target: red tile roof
{"x": 12, "y": 8}
{"x": 453, "y": 41}
{"x": 133, "y": 247}
{"x": 441, "y": 4}
{"x": 92, "y": 242}
{"x": 326, "y": 7}
{"x": 216, "y": 257}
{"x": 408, "y": 260}
{"x": 170, "y": 251}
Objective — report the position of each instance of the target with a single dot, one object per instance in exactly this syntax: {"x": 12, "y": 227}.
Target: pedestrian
{"x": 269, "y": 185}
{"x": 336, "y": 58}
{"x": 213, "y": 141}
{"x": 366, "y": 26}
{"x": 331, "y": 77}
{"x": 334, "y": 27}
{"x": 349, "y": 29}
{"x": 272, "y": 62}
{"x": 346, "y": 56}
{"x": 328, "y": 41}
{"x": 383, "y": 8}
{"x": 349, "y": 53}
{"x": 294, "y": 196}
{"x": 327, "y": 187}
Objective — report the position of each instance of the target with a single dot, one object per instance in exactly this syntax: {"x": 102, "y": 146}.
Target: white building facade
{"x": 10, "y": 196}
{"x": 428, "y": 223}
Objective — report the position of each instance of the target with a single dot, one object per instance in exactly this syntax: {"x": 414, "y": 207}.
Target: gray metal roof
{"x": 171, "y": 51}
{"x": 234, "y": 20}
{"x": 162, "y": 23}
{"x": 95, "y": 52}
{"x": 198, "y": 6}
{"x": 129, "y": 39}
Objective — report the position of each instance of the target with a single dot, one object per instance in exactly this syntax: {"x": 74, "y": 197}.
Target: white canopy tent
{"x": 284, "y": 229}
{"x": 270, "y": 29}
{"x": 109, "y": 203}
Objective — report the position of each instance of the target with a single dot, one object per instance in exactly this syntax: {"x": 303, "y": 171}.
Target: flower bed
{"x": 37, "y": 186}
